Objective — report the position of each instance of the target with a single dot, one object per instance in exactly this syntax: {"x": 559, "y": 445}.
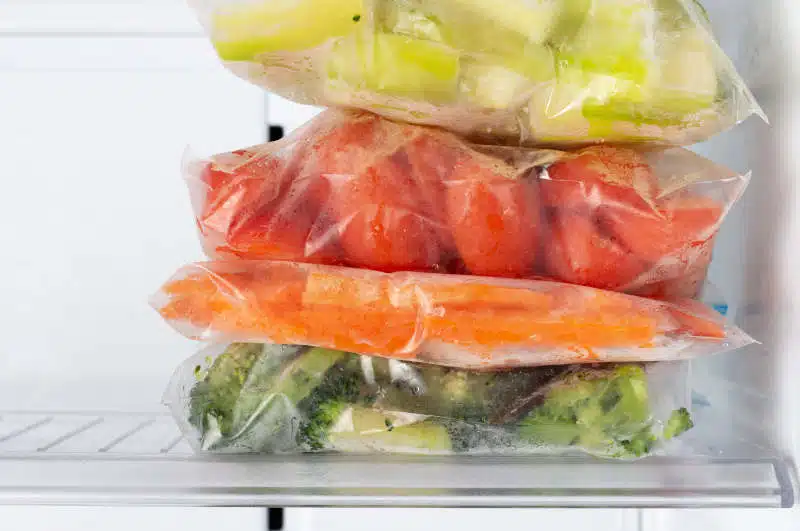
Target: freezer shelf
{"x": 140, "y": 459}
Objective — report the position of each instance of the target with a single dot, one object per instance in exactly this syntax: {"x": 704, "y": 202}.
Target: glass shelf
{"x": 132, "y": 459}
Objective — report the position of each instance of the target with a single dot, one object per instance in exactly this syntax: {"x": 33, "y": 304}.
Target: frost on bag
{"x": 535, "y": 71}
{"x": 457, "y": 321}
{"x": 357, "y": 190}
{"x": 247, "y": 398}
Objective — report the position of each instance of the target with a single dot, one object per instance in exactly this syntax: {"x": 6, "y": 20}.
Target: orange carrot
{"x": 400, "y": 315}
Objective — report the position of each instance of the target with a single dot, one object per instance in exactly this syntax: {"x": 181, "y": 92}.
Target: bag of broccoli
{"x": 258, "y": 398}
{"x": 530, "y": 71}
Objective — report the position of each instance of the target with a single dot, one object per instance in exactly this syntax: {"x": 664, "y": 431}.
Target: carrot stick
{"x": 398, "y": 315}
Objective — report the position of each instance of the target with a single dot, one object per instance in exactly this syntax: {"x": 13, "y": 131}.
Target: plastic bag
{"x": 530, "y": 71}
{"x": 357, "y": 190}
{"x": 459, "y": 321}
{"x": 247, "y": 398}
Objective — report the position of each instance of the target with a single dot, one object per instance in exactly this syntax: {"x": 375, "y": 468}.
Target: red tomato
{"x": 600, "y": 176}
{"x": 375, "y": 198}
{"x": 257, "y": 206}
{"x": 577, "y": 252}
{"x": 229, "y": 186}
{"x": 679, "y": 279}
{"x": 354, "y": 143}
{"x": 431, "y": 157}
{"x": 674, "y": 230}
{"x": 380, "y": 224}
{"x": 494, "y": 220}
{"x": 291, "y": 227}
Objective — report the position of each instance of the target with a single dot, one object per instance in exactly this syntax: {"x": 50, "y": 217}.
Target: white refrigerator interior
{"x": 98, "y": 103}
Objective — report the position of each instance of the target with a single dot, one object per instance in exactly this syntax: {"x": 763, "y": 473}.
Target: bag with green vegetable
{"x": 257, "y": 398}
{"x": 530, "y": 71}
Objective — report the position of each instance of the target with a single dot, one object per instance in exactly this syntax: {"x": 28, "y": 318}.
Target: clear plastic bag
{"x": 248, "y": 398}
{"x": 529, "y": 71}
{"x": 451, "y": 320}
{"x": 357, "y": 190}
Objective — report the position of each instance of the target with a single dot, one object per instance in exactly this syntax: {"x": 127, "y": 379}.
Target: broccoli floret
{"x": 639, "y": 445}
{"x": 342, "y": 387}
{"x": 215, "y": 396}
{"x": 249, "y": 396}
{"x": 605, "y": 412}
{"x": 438, "y": 391}
{"x": 314, "y": 431}
{"x": 679, "y": 422}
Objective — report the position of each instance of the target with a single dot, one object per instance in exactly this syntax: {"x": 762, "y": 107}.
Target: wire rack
{"x": 141, "y": 459}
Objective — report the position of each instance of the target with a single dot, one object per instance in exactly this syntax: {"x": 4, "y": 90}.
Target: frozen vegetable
{"x": 357, "y": 190}
{"x": 266, "y": 398}
{"x": 461, "y": 321}
{"x": 531, "y": 71}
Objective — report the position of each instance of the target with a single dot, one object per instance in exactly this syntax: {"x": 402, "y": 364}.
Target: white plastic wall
{"x": 98, "y": 106}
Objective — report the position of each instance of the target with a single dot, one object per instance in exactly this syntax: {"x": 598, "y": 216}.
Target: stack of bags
{"x": 505, "y": 258}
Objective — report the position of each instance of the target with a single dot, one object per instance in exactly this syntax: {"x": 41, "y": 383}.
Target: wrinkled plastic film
{"x": 356, "y": 190}
{"x": 255, "y": 398}
{"x": 530, "y": 71}
{"x": 458, "y": 321}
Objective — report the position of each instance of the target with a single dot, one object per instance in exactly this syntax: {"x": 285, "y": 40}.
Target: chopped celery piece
{"x": 686, "y": 83}
{"x": 555, "y": 115}
{"x": 570, "y": 20}
{"x": 499, "y": 83}
{"x": 535, "y": 61}
{"x": 507, "y": 42}
{"x": 682, "y": 14}
{"x": 243, "y": 31}
{"x": 482, "y": 26}
{"x": 473, "y": 25}
{"x": 408, "y": 17}
{"x": 664, "y": 110}
{"x": 688, "y": 69}
{"x": 557, "y": 109}
{"x": 531, "y": 19}
{"x": 492, "y": 86}
{"x": 395, "y": 64}
{"x": 616, "y": 38}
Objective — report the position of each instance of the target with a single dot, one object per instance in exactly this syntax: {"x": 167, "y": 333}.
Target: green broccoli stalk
{"x": 371, "y": 430}
{"x": 605, "y": 412}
